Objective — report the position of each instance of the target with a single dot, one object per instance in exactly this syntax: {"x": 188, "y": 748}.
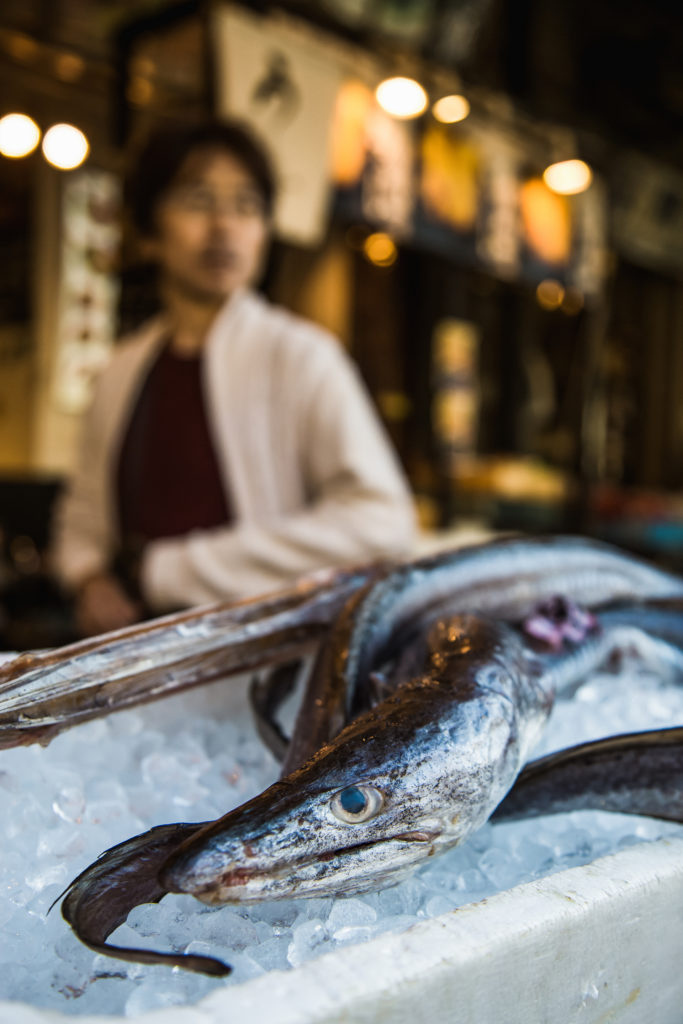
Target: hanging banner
{"x": 471, "y": 193}
{"x": 88, "y": 285}
{"x": 388, "y": 185}
{"x": 276, "y": 78}
{"x": 450, "y": 181}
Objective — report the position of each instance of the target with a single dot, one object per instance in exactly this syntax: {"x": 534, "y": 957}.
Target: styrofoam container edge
{"x": 591, "y": 944}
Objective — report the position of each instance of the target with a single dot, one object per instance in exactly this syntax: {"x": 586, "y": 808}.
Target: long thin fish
{"x": 42, "y": 694}
{"x": 403, "y": 781}
{"x": 636, "y": 773}
{"x": 506, "y": 579}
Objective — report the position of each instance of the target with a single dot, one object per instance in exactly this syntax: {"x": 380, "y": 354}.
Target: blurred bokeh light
{"x": 401, "y": 97}
{"x": 380, "y": 249}
{"x": 19, "y": 135}
{"x": 451, "y": 109}
{"x": 65, "y": 146}
{"x": 568, "y": 177}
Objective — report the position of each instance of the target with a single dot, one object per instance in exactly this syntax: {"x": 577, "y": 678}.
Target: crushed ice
{"x": 102, "y": 782}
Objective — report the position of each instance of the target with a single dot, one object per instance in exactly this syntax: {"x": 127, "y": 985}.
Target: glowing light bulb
{"x": 65, "y": 146}
{"x": 450, "y": 109}
{"x": 549, "y": 294}
{"x": 401, "y": 97}
{"x": 19, "y": 135}
{"x": 568, "y": 177}
{"x": 380, "y": 249}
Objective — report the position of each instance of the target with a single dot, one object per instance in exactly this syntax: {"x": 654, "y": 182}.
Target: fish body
{"x": 437, "y": 755}
{"x": 638, "y": 773}
{"x": 403, "y": 781}
{"x": 371, "y": 791}
{"x": 41, "y": 694}
{"x": 441, "y": 752}
{"x": 506, "y": 579}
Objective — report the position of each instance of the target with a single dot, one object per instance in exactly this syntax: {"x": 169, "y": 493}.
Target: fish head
{"x": 359, "y": 815}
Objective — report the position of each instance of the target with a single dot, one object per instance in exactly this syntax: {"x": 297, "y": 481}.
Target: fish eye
{"x": 357, "y": 804}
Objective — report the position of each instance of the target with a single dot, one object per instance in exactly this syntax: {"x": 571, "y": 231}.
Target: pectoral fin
{"x": 125, "y": 876}
{"x": 267, "y": 693}
{"x": 636, "y": 773}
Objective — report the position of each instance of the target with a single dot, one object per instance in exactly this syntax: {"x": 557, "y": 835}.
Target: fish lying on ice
{"x": 506, "y": 579}
{"x": 42, "y": 694}
{"x": 401, "y": 782}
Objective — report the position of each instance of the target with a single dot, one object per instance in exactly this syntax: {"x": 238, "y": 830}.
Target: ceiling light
{"x": 65, "y": 146}
{"x": 568, "y": 177}
{"x": 450, "y": 109}
{"x": 19, "y": 135}
{"x": 549, "y": 294}
{"x": 380, "y": 249}
{"x": 401, "y": 97}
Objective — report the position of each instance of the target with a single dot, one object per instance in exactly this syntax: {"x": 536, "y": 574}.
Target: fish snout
{"x": 220, "y": 866}
{"x": 202, "y": 872}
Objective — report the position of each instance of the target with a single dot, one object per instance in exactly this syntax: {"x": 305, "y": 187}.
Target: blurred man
{"x": 230, "y": 446}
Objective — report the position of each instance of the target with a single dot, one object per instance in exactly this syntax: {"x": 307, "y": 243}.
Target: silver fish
{"x": 41, "y": 694}
{"x": 506, "y": 579}
{"x": 405, "y": 780}
{"x": 635, "y": 773}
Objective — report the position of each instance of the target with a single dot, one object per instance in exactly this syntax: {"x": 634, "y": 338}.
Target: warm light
{"x": 19, "y": 135}
{"x": 450, "y": 109}
{"x": 549, "y": 294}
{"x": 69, "y": 67}
{"x": 65, "y": 146}
{"x": 568, "y": 177}
{"x": 380, "y": 249}
{"x": 401, "y": 97}
{"x": 21, "y": 47}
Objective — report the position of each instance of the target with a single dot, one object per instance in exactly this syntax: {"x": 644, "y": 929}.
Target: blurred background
{"x": 482, "y": 199}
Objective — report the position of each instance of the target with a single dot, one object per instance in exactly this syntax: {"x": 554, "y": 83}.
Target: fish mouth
{"x": 231, "y": 885}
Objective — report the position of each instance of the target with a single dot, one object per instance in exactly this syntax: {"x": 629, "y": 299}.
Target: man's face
{"x": 211, "y": 228}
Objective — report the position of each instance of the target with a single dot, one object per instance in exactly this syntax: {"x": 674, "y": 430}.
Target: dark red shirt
{"x": 169, "y": 481}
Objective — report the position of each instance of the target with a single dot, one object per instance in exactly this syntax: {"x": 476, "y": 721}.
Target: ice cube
{"x": 350, "y": 912}
{"x": 437, "y": 905}
{"x": 154, "y": 994}
{"x": 307, "y": 939}
{"x": 271, "y": 954}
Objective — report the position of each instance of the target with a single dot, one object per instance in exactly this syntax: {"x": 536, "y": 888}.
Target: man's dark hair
{"x": 164, "y": 151}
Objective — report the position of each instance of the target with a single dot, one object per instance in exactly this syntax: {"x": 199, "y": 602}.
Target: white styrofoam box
{"x": 595, "y": 944}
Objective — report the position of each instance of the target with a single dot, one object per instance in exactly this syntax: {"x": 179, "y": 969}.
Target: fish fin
{"x": 635, "y": 773}
{"x": 123, "y": 877}
{"x": 379, "y": 687}
{"x": 267, "y": 693}
{"x": 327, "y": 702}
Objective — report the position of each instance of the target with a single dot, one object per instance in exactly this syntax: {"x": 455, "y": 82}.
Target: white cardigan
{"x": 310, "y": 475}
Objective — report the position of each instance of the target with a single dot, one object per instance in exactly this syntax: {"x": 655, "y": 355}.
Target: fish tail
{"x": 122, "y": 878}
{"x": 635, "y": 773}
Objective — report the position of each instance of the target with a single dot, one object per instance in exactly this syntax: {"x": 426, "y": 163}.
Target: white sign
{"x": 277, "y": 80}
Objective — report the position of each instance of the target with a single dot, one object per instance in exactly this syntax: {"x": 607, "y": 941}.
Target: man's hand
{"x": 102, "y": 605}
